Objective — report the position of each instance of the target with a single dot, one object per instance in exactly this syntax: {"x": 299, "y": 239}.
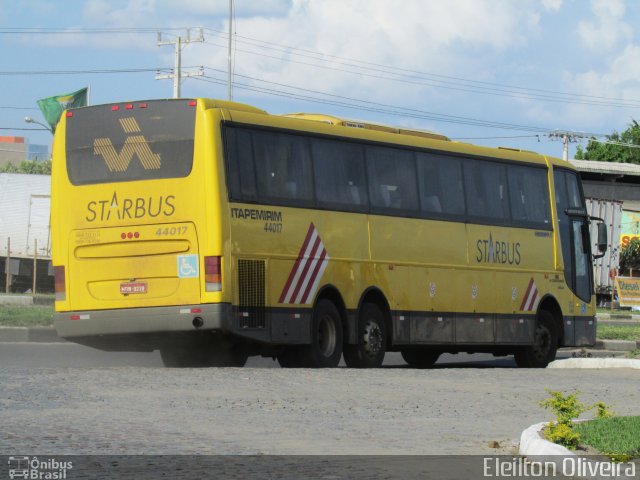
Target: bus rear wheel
{"x": 545, "y": 344}
{"x": 372, "y": 339}
{"x": 420, "y": 357}
{"x": 325, "y": 349}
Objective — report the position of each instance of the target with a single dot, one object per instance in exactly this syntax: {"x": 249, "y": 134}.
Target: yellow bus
{"x": 214, "y": 231}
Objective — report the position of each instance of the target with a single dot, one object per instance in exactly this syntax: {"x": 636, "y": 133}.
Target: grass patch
{"x": 26, "y": 315}
{"x": 612, "y": 436}
{"x": 618, "y": 332}
{"x": 615, "y": 312}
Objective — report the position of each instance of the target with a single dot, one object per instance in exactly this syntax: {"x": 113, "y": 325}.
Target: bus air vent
{"x": 251, "y": 294}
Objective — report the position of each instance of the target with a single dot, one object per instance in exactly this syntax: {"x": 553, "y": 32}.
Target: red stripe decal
{"x": 526, "y": 295}
{"x": 297, "y": 264}
{"x": 312, "y": 280}
{"x": 307, "y": 265}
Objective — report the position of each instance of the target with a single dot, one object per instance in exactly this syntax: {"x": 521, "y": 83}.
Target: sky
{"x": 490, "y": 72}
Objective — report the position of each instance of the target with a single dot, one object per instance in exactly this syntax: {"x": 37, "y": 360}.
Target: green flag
{"x": 53, "y": 107}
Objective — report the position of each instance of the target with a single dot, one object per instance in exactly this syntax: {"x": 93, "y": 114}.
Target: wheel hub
{"x": 372, "y": 339}
{"x": 326, "y": 336}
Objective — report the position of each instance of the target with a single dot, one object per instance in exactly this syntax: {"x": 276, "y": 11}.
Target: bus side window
{"x": 529, "y": 196}
{"x": 241, "y": 176}
{"x": 339, "y": 175}
{"x": 486, "y": 190}
{"x": 440, "y": 184}
{"x": 283, "y": 167}
{"x": 392, "y": 179}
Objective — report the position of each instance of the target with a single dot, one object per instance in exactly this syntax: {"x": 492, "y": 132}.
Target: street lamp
{"x": 31, "y": 120}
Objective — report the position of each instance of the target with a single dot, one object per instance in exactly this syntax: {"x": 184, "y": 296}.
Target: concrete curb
{"x": 19, "y": 300}
{"x": 29, "y": 334}
{"x": 537, "y": 449}
{"x": 619, "y": 345}
{"x": 596, "y": 363}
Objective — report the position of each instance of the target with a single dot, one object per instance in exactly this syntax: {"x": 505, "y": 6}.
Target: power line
{"x": 430, "y": 79}
{"x": 74, "y": 72}
{"x": 25, "y": 129}
{"x": 18, "y": 108}
{"x": 375, "y": 107}
{"x": 403, "y": 111}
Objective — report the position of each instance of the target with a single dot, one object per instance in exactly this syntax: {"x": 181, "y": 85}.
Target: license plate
{"x": 131, "y": 287}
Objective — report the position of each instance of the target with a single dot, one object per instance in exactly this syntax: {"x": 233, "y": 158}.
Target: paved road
{"x": 132, "y": 410}
{"x": 36, "y": 355}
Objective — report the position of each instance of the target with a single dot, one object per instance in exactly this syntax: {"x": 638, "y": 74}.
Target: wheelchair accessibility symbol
{"x": 188, "y": 266}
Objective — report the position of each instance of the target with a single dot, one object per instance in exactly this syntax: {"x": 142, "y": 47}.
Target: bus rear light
{"x": 59, "y": 283}
{"x": 212, "y": 274}
{"x": 129, "y": 235}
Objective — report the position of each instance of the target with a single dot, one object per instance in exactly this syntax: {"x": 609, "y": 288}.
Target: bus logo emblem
{"x": 133, "y": 145}
{"x": 306, "y": 273}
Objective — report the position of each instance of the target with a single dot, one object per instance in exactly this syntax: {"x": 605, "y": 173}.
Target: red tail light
{"x": 59, "y": 284}
{"x": 213, "y": 274}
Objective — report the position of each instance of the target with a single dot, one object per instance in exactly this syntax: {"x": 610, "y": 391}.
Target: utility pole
{"x": 566, "y": 137}
{"x": 229, "y": 51}
{"x": 179, "y": 44}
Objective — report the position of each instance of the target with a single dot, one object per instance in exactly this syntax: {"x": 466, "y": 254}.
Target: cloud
{"x": 433, "y": 36}
{"x": 608, "y": 29}
{"x": 552, "y": 5}
{"x": 243, "y": 8}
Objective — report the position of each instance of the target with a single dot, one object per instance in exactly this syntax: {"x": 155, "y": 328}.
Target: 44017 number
{"x": 170, "y": 231}
{"x": 273, "y": 227}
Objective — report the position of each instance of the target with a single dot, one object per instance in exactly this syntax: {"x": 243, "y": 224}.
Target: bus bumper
{"x": 180, "y": 318}
{"x": 579, "y": 331}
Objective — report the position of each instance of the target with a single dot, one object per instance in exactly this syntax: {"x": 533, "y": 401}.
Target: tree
{"x": 33, "y": 167}
{"x": 607, "y": 152}
{"x": 630, "y": 255}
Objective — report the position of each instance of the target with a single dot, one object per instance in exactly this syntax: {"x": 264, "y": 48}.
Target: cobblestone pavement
{"x": 132, "y": 410}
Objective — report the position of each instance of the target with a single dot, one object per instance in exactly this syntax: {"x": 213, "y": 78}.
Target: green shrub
{"x": 567, "y": 408}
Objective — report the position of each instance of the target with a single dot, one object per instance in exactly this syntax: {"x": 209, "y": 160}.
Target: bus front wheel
{"x": 372, "y": 339}
{"x": 325, "y": 349}
{"x": 545, "y": 344}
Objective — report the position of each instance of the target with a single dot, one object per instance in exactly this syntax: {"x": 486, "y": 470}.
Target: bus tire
{"x": 544, "y": 347}
{"x": 325, "y": 349}
{"x": 420, "y": 357}
{"x": 290, "y": 357}
{"x": 372, "y": 339}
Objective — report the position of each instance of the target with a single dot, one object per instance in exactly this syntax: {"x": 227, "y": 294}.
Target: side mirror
{"x": 602, "y": 240}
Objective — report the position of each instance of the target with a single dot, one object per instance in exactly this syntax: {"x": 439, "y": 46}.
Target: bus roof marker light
{"x": 129, "y": 106}
{"x": 193, "y": 103}
{"x": 69, "y": 114}
{"x": 115, "y": 108}
{"x": 143, "y": 105}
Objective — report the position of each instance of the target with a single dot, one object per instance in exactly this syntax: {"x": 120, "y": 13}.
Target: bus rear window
{"x": 130, "y": 141}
